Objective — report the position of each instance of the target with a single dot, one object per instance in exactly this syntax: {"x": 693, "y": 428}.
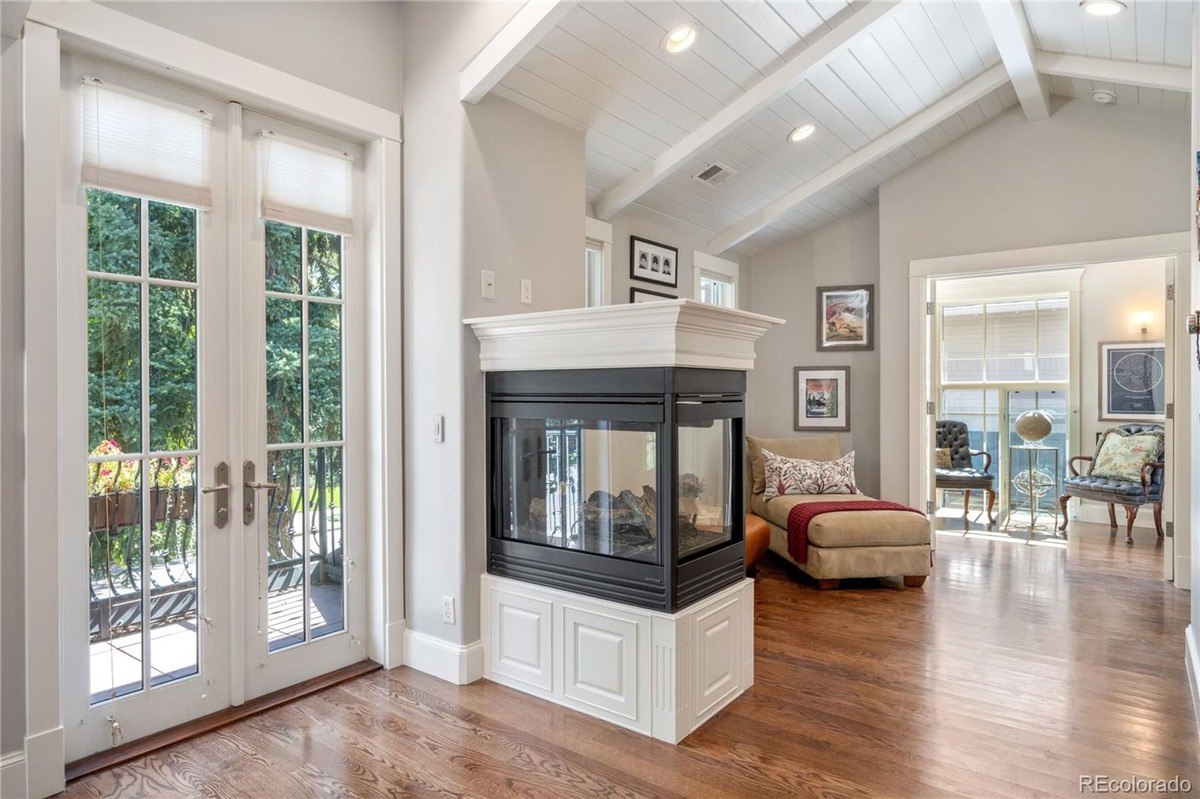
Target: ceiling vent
{"x": 715, "y": 175}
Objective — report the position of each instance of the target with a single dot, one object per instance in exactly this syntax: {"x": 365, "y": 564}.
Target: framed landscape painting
{"x": 846, "y": 317}
{"x": 1133, "y": 381}
{"x": 822, "y": 398}
{"x": 653, "y": 262}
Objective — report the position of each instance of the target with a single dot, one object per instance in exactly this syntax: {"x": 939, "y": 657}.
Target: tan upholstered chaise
{"x": 845, "y": 544}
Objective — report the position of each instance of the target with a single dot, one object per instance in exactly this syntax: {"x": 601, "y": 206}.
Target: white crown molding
{"x": 668, "y": 333}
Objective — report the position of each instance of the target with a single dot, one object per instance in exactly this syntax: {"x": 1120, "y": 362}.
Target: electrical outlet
{"x": 526, "y": 291}
{"x": 487, "y": 284}
{"x": 439, "y": 429}
{"x": 448, "y": 609}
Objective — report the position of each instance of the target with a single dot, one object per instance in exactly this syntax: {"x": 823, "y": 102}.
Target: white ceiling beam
{"x": 1154, "y": 76}
{"x": 758, "y": 97}
{"x": 902, "y": 134}
{"x": 512, "y": 43}
{"x": 1010, "y": 29}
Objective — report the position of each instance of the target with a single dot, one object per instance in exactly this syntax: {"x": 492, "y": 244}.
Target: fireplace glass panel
{"x": 581, "y": 485}
{"x": 705, "y": 485}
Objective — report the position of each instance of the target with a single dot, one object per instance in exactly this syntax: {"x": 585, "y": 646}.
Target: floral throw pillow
{"x": 1121, "y": 455}
{"x": 797, "y": 476}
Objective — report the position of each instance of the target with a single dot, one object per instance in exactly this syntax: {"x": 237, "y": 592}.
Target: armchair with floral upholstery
{"x": 1127, "y": 470}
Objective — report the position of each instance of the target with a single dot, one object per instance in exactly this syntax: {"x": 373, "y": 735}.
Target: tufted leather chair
{"x": 962, "y": 474}
{"x": 1128, "y": 494}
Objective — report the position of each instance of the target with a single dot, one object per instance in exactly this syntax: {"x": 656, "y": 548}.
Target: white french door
{"x": 302, "y": 307}
{"x": 218, "y": 446}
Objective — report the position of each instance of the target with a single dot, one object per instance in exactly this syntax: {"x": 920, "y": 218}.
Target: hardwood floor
{"x": 1014, "y": 670}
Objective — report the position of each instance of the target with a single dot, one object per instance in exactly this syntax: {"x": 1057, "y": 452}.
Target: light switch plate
{"x": 487, "y": 284}
{"x": 526, "y": 291}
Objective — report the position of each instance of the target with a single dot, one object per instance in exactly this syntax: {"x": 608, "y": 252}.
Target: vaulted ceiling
{"x": 885, "y": 83}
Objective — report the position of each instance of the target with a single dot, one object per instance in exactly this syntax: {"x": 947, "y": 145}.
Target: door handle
{"x": 219, "y": 488}
{"x": 250, "y": 495}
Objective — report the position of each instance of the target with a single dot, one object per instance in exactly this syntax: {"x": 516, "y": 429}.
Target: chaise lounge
{"x": 844, "y": 545}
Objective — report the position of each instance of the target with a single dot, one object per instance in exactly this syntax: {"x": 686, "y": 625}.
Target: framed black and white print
{"x": 1133, "y": 381}
{"x": 637, "y": 295}
{"x": 653, "y": 262}
{"x": 846, "y": 317}
{"x": 822, "y": 398}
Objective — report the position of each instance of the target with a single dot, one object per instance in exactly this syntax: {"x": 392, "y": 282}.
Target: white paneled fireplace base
{"x": 660, "y": 674}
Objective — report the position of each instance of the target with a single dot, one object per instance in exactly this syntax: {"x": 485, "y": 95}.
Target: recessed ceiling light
{"x": 802, "y": 132}
{"x": 679, "y": 38}
{"x": 1102, "y": 8}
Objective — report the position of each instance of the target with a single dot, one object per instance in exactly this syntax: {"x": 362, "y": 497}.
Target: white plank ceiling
{"x": 603, "y": 71}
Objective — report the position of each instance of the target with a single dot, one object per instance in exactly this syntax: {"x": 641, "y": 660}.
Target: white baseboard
{"x": 1183, "y": 571}
{"x": 392, "y": 654}
{"x": 45, "y": 756}
{"x": 12, "y": 774}
{"x": 456, "y": 663}
{"x": 1192, "y": 658}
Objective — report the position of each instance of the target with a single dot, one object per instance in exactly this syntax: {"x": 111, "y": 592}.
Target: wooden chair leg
{"x": 967, "y": 502}
{"x": 825, "y": 585}
{"x": 1158, "y": 527}
{"x": 1131, "y": 512}
{"x": 1112, "y": 515}
{"x": 991, "y": 513}
{"x": 914, "y": 580}
{"x": 1062, "y": 503}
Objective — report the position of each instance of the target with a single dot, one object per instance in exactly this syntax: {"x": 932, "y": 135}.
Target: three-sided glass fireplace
{"x": 624, "y": 484}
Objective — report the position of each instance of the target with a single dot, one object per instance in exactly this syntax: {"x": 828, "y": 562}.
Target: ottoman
{"x": 758, "y": 539}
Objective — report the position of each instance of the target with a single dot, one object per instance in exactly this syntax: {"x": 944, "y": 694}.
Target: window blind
{"x": 301, "y": 184}
{"x": 145, "y": 147}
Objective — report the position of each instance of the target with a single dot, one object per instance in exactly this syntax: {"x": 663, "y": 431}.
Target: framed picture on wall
{"x": 637, "y": 295}
{"x": 846, "y": 317}
{"x": 1133, "y": 381}
{"x": 822, "y": 398}
{"x": 653, "y": 262}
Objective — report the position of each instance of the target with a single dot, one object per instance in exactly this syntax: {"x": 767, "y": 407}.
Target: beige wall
{"x": 486, "y": 187}
{"x": 785, "y": 280}
{"x": 1087, "y": 173}
{"x": 631, "y": 224}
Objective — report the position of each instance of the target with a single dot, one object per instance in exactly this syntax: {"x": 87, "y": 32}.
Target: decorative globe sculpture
{"x": 1033, "y": 483}
{"x": 1033, "y": 426}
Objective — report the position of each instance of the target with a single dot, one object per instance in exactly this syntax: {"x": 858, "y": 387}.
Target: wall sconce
{"x": 1141, "y": 323}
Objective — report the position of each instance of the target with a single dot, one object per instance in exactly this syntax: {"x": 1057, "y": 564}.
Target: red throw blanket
{"x": 804, "y": 512}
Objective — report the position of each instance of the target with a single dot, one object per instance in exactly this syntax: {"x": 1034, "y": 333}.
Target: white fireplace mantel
{"x": 666, "y": 333}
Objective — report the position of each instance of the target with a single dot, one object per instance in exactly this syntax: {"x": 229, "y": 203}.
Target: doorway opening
{"x": 1030, "y": 371}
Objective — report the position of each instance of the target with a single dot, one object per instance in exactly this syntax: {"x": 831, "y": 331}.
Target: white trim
{"x": 510, "y": 44}
{"x": 457, "y": 663}
{"x": 1191, "y": 658}
{"x": 1074, "y": 254}
{"x": 12, "y": 774}
{"x": 820, "y": 48}
{"x": 597, "y": 233}
{"x": 253, "y": 84}
{"x": 981, "y": 85}
{"x": 1130, "y": 73}
{"x": 43, "y": 710}
{"x": 1010, "y": 30}
{"x": 704, "y": 264}
{"x": 596, "y": 230}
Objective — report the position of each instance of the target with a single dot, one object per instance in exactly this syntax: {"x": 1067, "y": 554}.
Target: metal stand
{"x": 1033, "y": 456}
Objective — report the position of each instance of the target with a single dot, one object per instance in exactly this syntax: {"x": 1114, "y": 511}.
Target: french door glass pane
{"x": 285, "y": 548}
{"x": 172, "y": 246}
{"x": 143, "y": 531}
{"x": 324, "y": 371}
{"x": 1053, "y": 403}
{"x": 115, "y": 572}
{"x": 174, "y": 570}
{"x": 283, "y": 258}
{"x": 114, "y": 365}
{"x": 305, "y": 386}
{"x": 285, "y": 375}
{"x": 326, "y": 609}
{"x": 114, "y": 233}
{"x": 172, "y": 348}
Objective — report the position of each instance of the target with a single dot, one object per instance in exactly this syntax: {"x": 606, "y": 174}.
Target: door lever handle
{"x": 254, "y": 485}
{"x": 220, "y": 487}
